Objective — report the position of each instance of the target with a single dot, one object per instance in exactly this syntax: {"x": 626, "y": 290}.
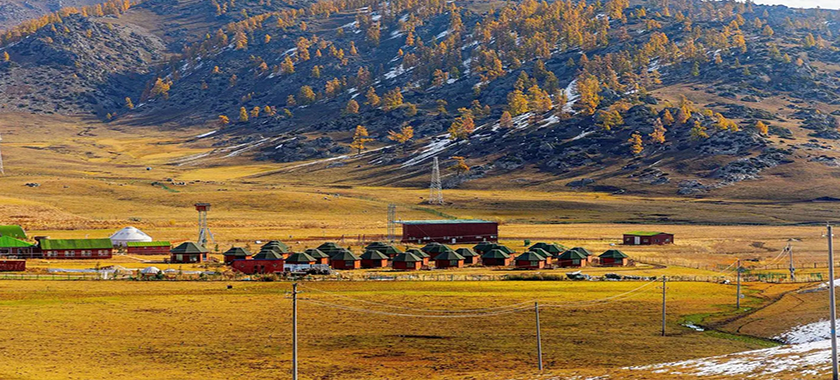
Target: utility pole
{"x": 294, "y": 333}
{"x": 663, "y": 305}
{"x": 539, "y": 337}
{"x": 790, "y": 260}
{"x": 738, "y": 286}
{"x": 832, "y": 306}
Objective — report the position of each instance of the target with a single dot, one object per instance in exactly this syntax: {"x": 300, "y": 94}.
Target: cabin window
{"x": 535, "y": 263}
{"x": 453, "y": 263}
{"x": 179, "y": 257}
{"x": 576, "y": 262}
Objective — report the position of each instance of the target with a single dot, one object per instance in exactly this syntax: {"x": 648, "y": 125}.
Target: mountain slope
{"x": 683, "y": 97}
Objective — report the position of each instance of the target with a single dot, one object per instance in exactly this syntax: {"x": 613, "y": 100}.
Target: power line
{"x": 393, "y": 314}
{"x": 495, "y": 308}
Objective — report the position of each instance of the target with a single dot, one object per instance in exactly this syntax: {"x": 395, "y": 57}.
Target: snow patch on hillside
{"x": 572, "y": 96}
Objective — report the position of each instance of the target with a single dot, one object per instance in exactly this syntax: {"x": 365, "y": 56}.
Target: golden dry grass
{"x": 188, "y": 330}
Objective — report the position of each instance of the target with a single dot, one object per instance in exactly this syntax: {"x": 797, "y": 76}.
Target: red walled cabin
{"x": 258, "y": 266}
{"x": 148, "y": 248}
{"x": 12, "y": 265}
{"x": 458, "y": 231}
{"x": 76, "y": 248}
{"x": 648, "y": 238}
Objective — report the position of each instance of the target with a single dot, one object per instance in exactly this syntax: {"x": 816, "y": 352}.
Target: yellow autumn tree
{"x": 658, "y": 134}
{"x": 761, "y": 127}
{"x": 698, "y": 131}
{"x": 517, "y": 103}
{"x": 306, "y": 95}
{"x": 243, "y": 114}
{"x": 463, "y": 126}
{"x": 506, "y": 121}
{"x": 589, "y": 88}
{"x": 392, "y": 99}
{"x": 372, "y": 99}
{"x": 6, "y": 57}
{"x": 223, "y": 120}
{"x": 128, "y": 103}
{"x": 461, "y": 166}
{"x": 352, "y": 107}
{"x": 360, "y": 138}
{"x": 402, "y": 137}
{"x": 635, "y": 141}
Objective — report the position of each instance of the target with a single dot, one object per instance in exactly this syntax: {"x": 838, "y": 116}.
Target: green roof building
{"x": 76, "y": 248}
{"x": 552, "y": 248}
{"x": 496, "y": 257}
{"x": 188, "y": 252}
{"x": 530, "y": 260}
{"x": 13, "y": 231}
{"x": 300, "y": 258}
{"x": 449, "y": 259}
{"x": 613, "y": 258}
{"x": 470, "y": 257}
{"x": 10, "y": 246}
{"x": 236, "y": 253}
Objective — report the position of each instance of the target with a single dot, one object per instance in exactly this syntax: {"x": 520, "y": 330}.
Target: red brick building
{"x": 407, "y": 261}
{"x": 449, "y": 259}
{"x": 258, "y": 266}
{"x": 188, "y": 252}
{"x": 530, "y": 260}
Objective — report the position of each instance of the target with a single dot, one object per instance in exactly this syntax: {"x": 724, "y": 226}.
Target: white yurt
{"x": 150, "y": 270}
{"x": 129, "y": 234}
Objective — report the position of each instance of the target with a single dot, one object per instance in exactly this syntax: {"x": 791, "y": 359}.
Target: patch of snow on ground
{"x": 437, "y": 145}
{"x": 395, "y": 72}
{"x": 396, "y": 33}
{"x": 553, "y": 119}
{"x": 290, "y": 51}
{"x": 521, "y": 121}
{"x": 800, "y": 359}
{"x": 582, "y": 135}
{"x": 812, "y": 332}
{"x": 572, "y": 96}
{"x": 653, "y": 66}
{"x": 404, "y": 17}
{"x": 205, "y": 134}
{"x": 442, "y": 34}
{"x": 376, "y": 17}
{"x": 349, "y": 25}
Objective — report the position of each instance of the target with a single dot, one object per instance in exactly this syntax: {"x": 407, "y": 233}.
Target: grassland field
{"x": 95, "y": 179}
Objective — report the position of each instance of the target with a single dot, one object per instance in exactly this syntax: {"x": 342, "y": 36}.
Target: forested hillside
{"x": 672, "y": 96}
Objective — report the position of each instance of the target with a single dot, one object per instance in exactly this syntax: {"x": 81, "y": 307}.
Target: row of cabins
{"x": 275, "y": 256}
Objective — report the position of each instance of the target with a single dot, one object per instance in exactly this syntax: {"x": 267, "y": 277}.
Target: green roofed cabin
{"x": 614, "y": 258}
{"x": 571, "y": 258}
{"x": 148, "y": 247}
{"x": 300, "y": 258}
{"x": 345, "y": 259}
{"x": 236, "y": 253}
{"x": 422, "y": 255}
{"x": 530, "y": 260}
{"x": 188, "y": 252}
{"x": 279, "y": 247}
{"x": 330, "y": 248}
{"x": 75, "y": 248}
{"x": 496, "y": 258}
{"x": 374, "y": 259}
{"x": 548, "y": 257}
{"x": 585, "y": 252}
{"x": 470, "y": 257}
{"x": 648, "y": 238}
{"x": 436, "y": 249}
{"x": 449, "y": 259}
{"x": 407, "y": 261}
{"x": 551, "y": 248}
{"x": 320, "y": 257}
{"x": 13, "y": 231}
{"x": 10, "y": 246}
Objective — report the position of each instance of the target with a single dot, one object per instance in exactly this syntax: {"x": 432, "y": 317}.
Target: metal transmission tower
{"x": 2, "y": 172}
{"x": 203, "y": 231}
{"x": 436, "y": 189}
{"x": 392, "y": 222}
